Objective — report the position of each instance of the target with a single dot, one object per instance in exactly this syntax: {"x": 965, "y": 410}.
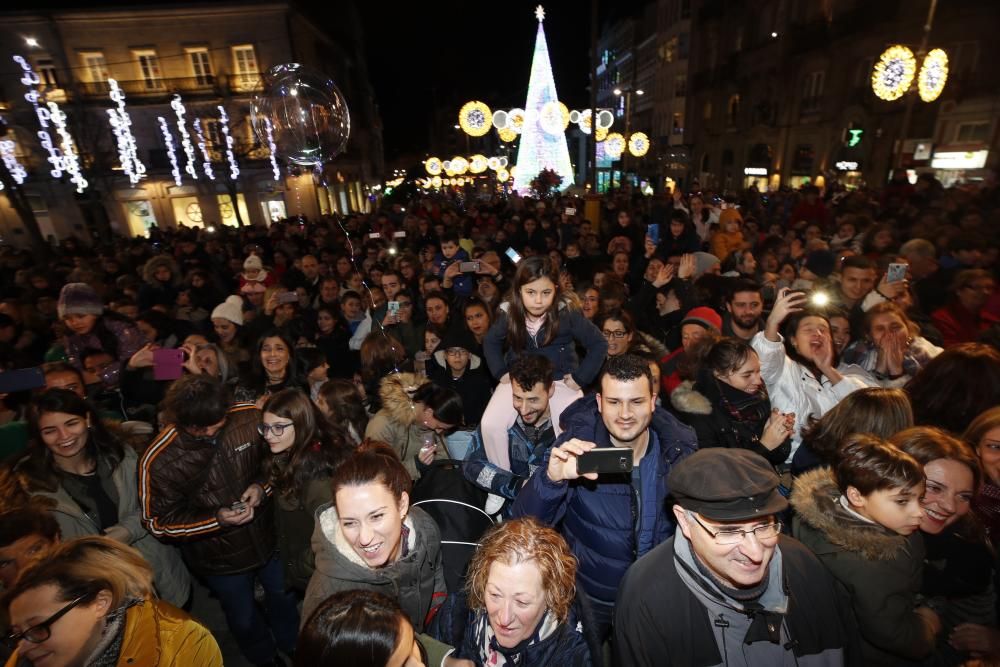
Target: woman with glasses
{"x": 619, "y": 329}
{"x": 87, "y": 478}
{"x": 305, "y": 450}
{"x": 91, "y": 603}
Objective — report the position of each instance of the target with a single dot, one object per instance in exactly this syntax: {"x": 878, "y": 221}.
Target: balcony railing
{"x": 192, "y": 86}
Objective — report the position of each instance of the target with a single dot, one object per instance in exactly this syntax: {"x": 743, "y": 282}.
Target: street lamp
{"x": 31, "y": 41}
{"x": 628, "y": 118}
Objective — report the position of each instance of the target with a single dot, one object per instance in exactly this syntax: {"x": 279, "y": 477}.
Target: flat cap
{"x": 727, "y": 485}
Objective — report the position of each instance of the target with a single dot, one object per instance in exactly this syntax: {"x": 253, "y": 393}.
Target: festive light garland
{"x": 30, "y": 80}
{"x": 70, "y": 159}
{"x": 478, "y": 164}
{"x": 507, "y": 134}
{"x": 433, "y": 166}
{"x": 234, "y": 169}
{"x": 893, "y": 73}
{"x": 614, "y": 145}
{"x": 500, "y": 119}
{"x": 475, "y": 118}
{"x": 177, "y": 104}
{"x": 515, "y": 120}
{"x": 121, "y": 125}
{"x": 503, "y": 175}
{"x": 638, "y": 144}
{"x": 459, "y": 165}
{"x": 168, "y": 141}
{"x": 16, "y": 169}
{"x": 206, "y": 164}
{"x": 933, "y": 75}
{"x": 273, "y": 148}
{"x": 605, "y": 119}
{"x": 554, "y": 117}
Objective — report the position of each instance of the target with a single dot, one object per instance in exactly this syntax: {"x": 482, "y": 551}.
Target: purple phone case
{"x": 168, "y": 364}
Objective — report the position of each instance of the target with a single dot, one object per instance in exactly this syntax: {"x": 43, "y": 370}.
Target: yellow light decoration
{"x": 459, "y": 181}
{"x": 601, "y": 134}
{"x": 894, "y": 73}
{"x": 449, "y": 173}
{"x": 477, "y": 164}
{"x": 507, "y": 134}
{"x": 436, "y": 181}
{"x": 515, "y": 120}
{"x": 459, "y": 165}
{"x": 614, "y": 145}
{"x": 513, "y": 171}
{"x": 503, "y": 175}
{"x": 554, "y": 117}
{"x": 433, "y": 166}
{"x": 638, "y": 144}
{"x": 933, "y": 75}
{"x": 493, "y": 163}
{"x": 475, "y": 118}
{"x": 586, "y": 121}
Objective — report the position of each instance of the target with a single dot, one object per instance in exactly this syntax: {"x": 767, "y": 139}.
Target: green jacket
{"x": 295, "y": 519}
{"x": 398, "y": 423}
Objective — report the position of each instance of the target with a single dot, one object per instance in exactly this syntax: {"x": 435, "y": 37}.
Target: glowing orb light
{"x": 638, "y": 144}
{"x": 894, "y": 73}
{"x": 475, "y": 118}
{"x": 933, "y": 75}
{"x": 433, "y": 166}
{"x": 614, "y": 145}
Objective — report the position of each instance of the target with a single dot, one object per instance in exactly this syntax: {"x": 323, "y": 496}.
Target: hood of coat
{"x": 687, "y": 399}
{"x": 816, "y": 499}
{"x": 150, "y": 267}
{"x": 654, "y": 346}
{"x": 474, "y": 360}
{"x": 336, "y": 558}
{"x": 396, "y": 392}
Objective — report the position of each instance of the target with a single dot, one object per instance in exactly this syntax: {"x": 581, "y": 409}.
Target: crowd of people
{"x": 750, "y": 429}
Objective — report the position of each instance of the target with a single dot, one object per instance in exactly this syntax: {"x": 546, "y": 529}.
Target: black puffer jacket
{"x": 184, "y": 481}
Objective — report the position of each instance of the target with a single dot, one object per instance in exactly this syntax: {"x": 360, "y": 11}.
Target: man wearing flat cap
{"x": 729, "y": 588}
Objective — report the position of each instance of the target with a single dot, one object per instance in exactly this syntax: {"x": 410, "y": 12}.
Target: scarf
{"x": 533, "y": 324}
{"x": 491, "y": 654}
{"x": 107, "y": 651}
{"x": 987, "y": 506}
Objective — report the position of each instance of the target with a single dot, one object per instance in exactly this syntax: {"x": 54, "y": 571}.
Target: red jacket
{"x": 958, "y": 325}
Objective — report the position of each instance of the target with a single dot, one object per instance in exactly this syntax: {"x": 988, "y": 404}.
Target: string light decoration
{"x": 507, "y": 135}
{"x": 614, "y": 145}
{"x": 600, "y": 134}
{"x": 933, "y": 75}
{"x": 515, "y": 120}
{"x": 500, "y": 119}
{"x": 271, "y": 146}
{"x": 893, "y": 73}
{"x": 234, "y": 169}
{"x": 475, "y": 118}
{"x": 177, "y": 104}
{"x": 540, "y": 149}
{"x": 121, "y": 125}
{"x": 554, "y": 117}
{"x": 8, "y": 154}
{"x": 168, "y": 141}
{"x": 459, "y": 165}
{"x": 503, "y": 175}
{"x": 30, "y": 79}
{"x": 477, "y": 164}
{"x": 638, "y": 144}
{"x": 433, "y": 166}
{"x": 206, "y": 164}
{"x": 70, "y": 158}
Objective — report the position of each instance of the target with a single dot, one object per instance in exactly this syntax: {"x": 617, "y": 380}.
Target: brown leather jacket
{"x": 184, "y": 481}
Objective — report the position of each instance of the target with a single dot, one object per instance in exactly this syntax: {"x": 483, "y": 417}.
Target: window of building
{"x": 677, "y": 124}
{"x": 706, "y": 111}
{"x": 149, "y": 69}
{"x": 95, "y": 67}
{"x": 733, "y": 109}
{"x": 863, "y": 77}
{"x": 46, "y": 70}
{"x": 970, "y": 132}
{"x": 213, "y": 134}
{"x": 245, "y": 62}
{"x": 683, "y": 46}
{"x": 201, "y": 66}
{"x": 812, "y": 91}
{"x": 680, "y": 85}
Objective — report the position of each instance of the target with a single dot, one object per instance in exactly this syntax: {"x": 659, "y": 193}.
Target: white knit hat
{"x": 231, "y": 309}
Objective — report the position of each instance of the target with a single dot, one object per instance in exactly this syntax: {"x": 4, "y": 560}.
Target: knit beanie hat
{"x": 231, "y": 309}
{"x": 79, "y": 299}
{"x": 703, "y": 261}
{"x": 253, "y": 262}
{"x": 704, "y": 316}
{"x": 821, "y": 262}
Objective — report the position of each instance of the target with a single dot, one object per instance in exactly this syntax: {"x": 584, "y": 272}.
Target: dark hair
{"x": 625, "y": 368}
{"x": 926, "y": 444}
{"x": 450, "y": 236}
{"x": 309, "y": 359}
{"x": 527, "y": 370}
{"x": 791, "y": 326}
{"x": 529, "y": 270}
{"x": 871, "y": 464}
{"x": 256, "y": 380}
{"x": 617, "y": 314}
{"x": 726, "y": 356}
{"x": 956, "y": 386}
{"x": 163, "y": 324}
{"x": 345, "y": 404}
{"x": 373, "y": 462}
{"x": 358, "y": 628}
{"x": 877, "y": 411}
{"x": 21, "y": 522}
{"x": 318, "y": 448}
{"x": 349, "y": 294}
{"x": 742, "y": 285}
{"x": 444, "y": 402}
{"x": 858, "y": 262}
{"x": 475, "y": 302}
{"x": 89, "y": 352}
{"x": 438, "y": 294}
{"x": 37, "y": 465}
{"x": 197, "y": 401}
{"x": 53, "y": 367}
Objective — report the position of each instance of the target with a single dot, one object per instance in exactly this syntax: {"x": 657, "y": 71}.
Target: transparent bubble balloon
{"x": 303, "y": 113}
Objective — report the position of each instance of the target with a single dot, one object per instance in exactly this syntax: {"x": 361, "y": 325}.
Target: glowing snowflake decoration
{"x": 507, "y": 135}
{"x": 614, "y": 145}
{"x": 475, "y": 118}
{"x": 503, "y": 175}
{"x": 433, "y": 166}
{"x": 515, "y": 120}
{"x": 933, "y": 75}
{"x": 459, "y": 165}
{"x": 7, "y": 153}
{"x": 477, "y": 164}
{"x": 554, "y": 117}
{"x": 638, "y": 144}
{"x": 493, "y": 163}
{"x": 894, "y": 73}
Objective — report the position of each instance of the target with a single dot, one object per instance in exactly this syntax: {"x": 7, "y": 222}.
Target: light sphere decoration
{"x": 614, "y": 145}
{"x": 515, "y": 120}
{"x": 446, "y": 165}
{"x": 638, "y": 144}
{"x": 433, "y": 166}
{"x": 605, "y": 119}
{"x": 477, "y": 164}
{"x": 574, "y": 116}
{"x": 500, "y": 119}
{"x": 507, "y": 135}
{"x": 554, "y": 117}
{"x": 586, "y": 121}
{"x": 493, "y": 163}
{"x": 459, "y": 165}
{"x": 503, "y": 163}
{"x": 503, "y": 175}
{"x": 933, "y": 75}
{"x": 475, "y": 118}
{"x": 893, "y": 73}
{"x": 436, "y": 181}
{"x": 600, "y": 134}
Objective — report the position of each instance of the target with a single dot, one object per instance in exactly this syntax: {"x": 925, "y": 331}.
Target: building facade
{"x": 212, "y": 55}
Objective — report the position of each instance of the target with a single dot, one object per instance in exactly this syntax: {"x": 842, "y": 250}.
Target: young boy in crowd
{"x": 450, "y": 253}
{"x": 862, "y": 520}
{"x": 352, "y": 308}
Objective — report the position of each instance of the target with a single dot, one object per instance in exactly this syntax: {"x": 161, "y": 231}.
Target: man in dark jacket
{"x": 200, "y": 484}
{"x": 610, "y": 519}
{"x": 728, "y": 588}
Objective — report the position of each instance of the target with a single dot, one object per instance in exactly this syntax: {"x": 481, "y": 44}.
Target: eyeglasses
{"x": 727, "y": 536}
{"x": 36, "y": 634}
{"x": 277, "y": 429}
{"x": 615, "y": 334}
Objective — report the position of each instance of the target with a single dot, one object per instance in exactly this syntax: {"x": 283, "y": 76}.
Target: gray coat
{"x": 173, "y": 582}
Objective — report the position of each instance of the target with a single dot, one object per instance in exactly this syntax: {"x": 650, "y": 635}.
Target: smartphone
{"x": 238, "y": 506}
{"x": 469, "y": 267}
{"x": 571, "y": 211}
{"x": 653, "y": 232}
{"x": 514, "y": 255}
{"x": 288, "y": 297}
{"x": 393, "y": 308}
{"x": 21, "y": 379}
{"x": 399, "y": 235}
{"x": 896, "y": 273}
{"x": 168, "y": 364}
{"x": 605, "y": 460}
{"x": 374, "y": 235}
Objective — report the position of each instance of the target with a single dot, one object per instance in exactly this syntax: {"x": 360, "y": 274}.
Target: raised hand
{"x": 562, "y": 462}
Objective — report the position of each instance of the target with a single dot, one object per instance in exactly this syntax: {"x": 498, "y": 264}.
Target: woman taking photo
{"x": 520, "y": 604}
{"x": 892, "y": 350}
{"x": 305, "y": 451}
{"x": 727, "y": 405}
{"x": 87, "y": 478}
{"x": 272, "y": 369}
{"x": 370, "y": 538}
{"x": 90, "y": 602}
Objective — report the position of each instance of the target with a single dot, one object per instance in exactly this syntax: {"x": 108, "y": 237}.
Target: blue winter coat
{"x": 463, "y": 283}
{"x": 606, "y": 526}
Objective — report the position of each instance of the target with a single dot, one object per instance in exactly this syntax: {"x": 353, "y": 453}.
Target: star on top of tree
{"x": 540, "y": 13}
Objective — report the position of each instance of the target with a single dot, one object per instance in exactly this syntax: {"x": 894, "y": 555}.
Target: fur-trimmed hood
{"x": 687, "y": 399}
{"x": 150, "y": 267}
{"x": 816, "y": 499}
{"x": 396, "y": 392}
{"x": 329, "y": 538}
{"x": 654, "y": 346}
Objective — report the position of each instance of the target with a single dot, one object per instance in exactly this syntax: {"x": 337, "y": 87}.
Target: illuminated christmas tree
{"x": 543, "y": 135}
